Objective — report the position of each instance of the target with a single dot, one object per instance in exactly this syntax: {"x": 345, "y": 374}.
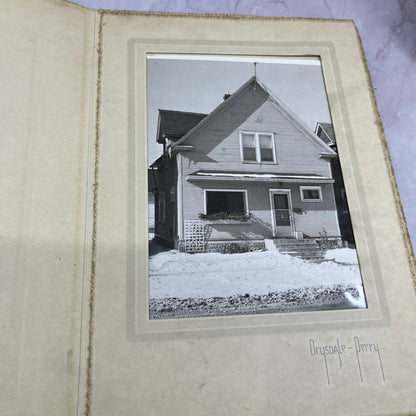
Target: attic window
{"x": 257, "y": 147}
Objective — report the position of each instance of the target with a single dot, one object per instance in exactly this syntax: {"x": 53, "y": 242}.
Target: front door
{"x": 282, "y": 213}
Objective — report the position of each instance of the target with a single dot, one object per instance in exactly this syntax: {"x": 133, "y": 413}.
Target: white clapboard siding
{"x": 314, "y": 217}
{"x": 217, "y": 148}
{"x": 218, "y": 142}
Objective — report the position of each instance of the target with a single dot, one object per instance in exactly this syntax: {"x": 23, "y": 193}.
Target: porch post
{"x": 179, "y": 197}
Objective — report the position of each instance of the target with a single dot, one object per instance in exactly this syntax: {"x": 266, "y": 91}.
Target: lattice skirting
{"x": 195, "y": 236}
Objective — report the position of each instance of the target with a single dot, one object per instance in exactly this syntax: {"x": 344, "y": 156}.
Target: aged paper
{"x": 47, "y": 73}
{"x": 325, "y": 362}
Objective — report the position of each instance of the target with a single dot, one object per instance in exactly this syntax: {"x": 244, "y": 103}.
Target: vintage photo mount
{"x": 139, "y": 325}
{"x": 79, "y": 292}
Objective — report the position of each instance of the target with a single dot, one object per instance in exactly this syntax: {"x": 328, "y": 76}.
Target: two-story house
{"x": 249, "y": 171}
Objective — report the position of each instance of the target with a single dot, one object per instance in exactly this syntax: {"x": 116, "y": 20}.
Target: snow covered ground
{"x": 342, "y": 255}
{"x": 206, "y": 275}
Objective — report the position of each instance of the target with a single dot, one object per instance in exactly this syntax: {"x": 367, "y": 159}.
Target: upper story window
{"x": 257, "y": 147}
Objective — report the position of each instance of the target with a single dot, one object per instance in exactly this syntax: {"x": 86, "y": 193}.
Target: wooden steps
{"x": 306, "y": 248}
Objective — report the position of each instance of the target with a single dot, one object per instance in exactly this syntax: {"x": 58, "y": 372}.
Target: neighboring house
{"x": 249, "y": 171}
{"x": 325, "y": 132}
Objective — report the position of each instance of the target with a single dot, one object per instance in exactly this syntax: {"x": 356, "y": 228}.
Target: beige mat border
{"x": 398, "y": 205}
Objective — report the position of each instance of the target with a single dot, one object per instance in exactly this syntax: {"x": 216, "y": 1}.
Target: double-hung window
{"x": 257, "y": 147}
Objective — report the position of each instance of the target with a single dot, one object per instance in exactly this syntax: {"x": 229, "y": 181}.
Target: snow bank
{"x": 357, "y": 301}
{"x": 182, "y": 275}
{"x": 293, "y": 300}
{"x": 342, "y": 255}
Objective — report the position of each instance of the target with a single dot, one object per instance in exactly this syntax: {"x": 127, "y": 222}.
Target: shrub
{"x": 238, "y": 216}
{"x": 236, "y": 247}
{"x": 327, "y": 243}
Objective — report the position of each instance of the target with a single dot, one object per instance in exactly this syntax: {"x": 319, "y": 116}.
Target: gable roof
{"x": 256, "y": 84}
{"x": 175, "y": 124}
{"x": 217, "y": 110}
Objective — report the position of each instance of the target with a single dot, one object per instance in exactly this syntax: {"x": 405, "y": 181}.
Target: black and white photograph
{"x": 247, "y": 208}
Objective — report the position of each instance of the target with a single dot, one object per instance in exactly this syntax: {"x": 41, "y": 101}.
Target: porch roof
{"x": 203, "y": 175}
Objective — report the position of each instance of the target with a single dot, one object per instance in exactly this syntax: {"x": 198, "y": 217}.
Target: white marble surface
{"x": 388, "y": 32}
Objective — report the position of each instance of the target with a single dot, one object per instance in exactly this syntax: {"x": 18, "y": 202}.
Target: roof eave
{"x": 181, "y": 148}
{"x": 328, "y": 155}
{"x": 248, "y": 179}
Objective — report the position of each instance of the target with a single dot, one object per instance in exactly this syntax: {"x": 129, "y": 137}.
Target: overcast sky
{"x": 198, "y": 85}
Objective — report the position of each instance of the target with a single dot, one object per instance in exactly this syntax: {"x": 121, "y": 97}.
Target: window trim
{"x": 257, "y": 147}
{"x": 246, "y": 210}
{"x": 311, "y": 188}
